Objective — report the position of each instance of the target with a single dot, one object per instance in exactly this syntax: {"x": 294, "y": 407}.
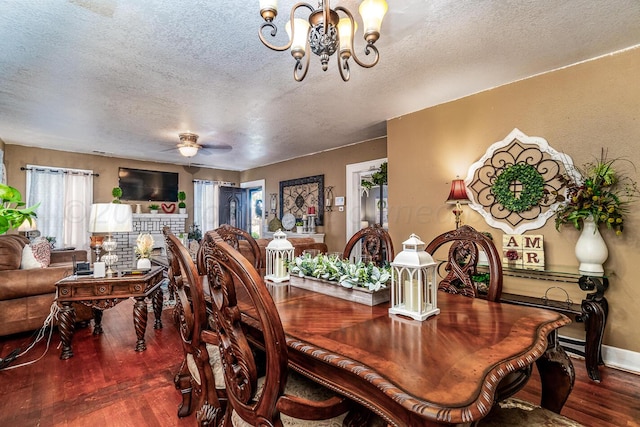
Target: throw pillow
{"x": 36, "y": 255}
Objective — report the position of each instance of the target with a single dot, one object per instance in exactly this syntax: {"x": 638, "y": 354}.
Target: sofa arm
{"x": 66, "y": 256}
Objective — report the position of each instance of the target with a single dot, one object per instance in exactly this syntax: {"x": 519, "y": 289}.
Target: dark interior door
{"x": 233, "y": 207}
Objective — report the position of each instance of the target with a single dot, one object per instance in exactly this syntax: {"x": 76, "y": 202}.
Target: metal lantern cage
{"x": 413, "y": 281}
{"x": 279, "y": 253}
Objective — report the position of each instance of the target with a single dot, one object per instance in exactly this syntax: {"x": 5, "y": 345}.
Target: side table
{"x": 105, "y": 292}
{"x": 592, "y": 311}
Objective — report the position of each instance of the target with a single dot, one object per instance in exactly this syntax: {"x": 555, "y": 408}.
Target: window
{"x": 65, "y": 197}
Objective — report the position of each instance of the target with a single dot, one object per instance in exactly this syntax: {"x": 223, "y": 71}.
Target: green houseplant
{"x": 378, "y": 178}
{"x": 182, "y": 196}
{"x": 153, "y": 208}
{"x": 116, "y": 193}
{"x": 13, "y": 211}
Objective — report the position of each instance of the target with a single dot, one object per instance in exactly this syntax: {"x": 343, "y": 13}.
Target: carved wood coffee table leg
{"x": 140, "y": 322}
{"x": 556, "y": 374}
{"x": 97, "y": 321}
{"x": 67, "y": 326}
{"x": 158, "y": 298}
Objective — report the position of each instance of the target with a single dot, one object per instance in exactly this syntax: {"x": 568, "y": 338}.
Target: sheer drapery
{"x": 205, "y": 212}
{"x": 65, "y": 197}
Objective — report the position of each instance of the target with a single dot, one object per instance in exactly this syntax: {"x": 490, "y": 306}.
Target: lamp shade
{"x": 458, "y": 193}
{"x": 299, "y": 36}
{"x": 110, "y": 218}
{"x": 345, "y": 35}
{"x": 28, "y": 225}
{"x": 372, "y": 12}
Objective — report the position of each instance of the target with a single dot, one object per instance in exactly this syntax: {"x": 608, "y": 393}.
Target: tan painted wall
{"x": 17, "y": 156}
{"x": 333, "y": 165}
{"x": 577, "y": 110}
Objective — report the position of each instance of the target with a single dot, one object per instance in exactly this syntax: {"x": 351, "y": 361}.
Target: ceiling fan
{"x": 189, "y": 147}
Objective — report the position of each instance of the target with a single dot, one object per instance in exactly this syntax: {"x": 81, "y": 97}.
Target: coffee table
{"x": 105, "y": 292}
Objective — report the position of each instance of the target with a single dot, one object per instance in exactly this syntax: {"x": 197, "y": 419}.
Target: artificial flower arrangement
{"x": 144, "y": 245}
{"x": 601, "y": 192}
{"x": 344, "y": 272}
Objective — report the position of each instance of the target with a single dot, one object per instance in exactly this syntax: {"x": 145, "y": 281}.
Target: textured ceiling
{"x": 124, "y": 77}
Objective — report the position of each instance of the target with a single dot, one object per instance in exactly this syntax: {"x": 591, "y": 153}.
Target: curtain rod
{"x": 207, "y": 181}
{"x": 72, "y": 172}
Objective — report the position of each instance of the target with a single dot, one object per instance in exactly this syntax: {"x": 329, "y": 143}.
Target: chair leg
{"x": 182, "y": 381}
{"x": 209, "y": 416}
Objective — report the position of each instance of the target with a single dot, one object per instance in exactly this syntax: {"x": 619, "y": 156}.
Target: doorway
{"x": 364, "y": 208}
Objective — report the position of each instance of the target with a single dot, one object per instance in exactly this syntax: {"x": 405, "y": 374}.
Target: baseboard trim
{"x": 612, "y": 357}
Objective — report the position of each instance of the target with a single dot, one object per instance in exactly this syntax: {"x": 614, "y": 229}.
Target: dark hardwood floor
{"x": 108, "y": 383}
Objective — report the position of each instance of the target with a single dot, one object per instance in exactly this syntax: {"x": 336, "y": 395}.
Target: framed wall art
{"x": 303, "y": 195}
{"x": 518, "y": 183}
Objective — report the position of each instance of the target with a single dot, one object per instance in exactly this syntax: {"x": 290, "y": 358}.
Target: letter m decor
{"x": 523, "y": 251}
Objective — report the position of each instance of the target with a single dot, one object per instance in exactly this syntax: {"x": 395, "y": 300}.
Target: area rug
{"x": 167, "y": 302}
{"x": 516, "y": 412}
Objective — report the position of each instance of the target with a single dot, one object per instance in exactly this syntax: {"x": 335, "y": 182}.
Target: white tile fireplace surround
{"x": 146, "y": 223}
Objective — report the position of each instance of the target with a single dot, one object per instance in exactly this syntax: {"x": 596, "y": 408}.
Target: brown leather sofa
{"x": 26, "y": 295}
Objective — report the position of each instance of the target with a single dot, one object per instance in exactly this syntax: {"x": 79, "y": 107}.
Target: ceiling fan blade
{"x": 209, "y": 149}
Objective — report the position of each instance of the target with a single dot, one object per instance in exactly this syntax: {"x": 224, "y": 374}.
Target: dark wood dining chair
{"x": 233, "y": 236}
{"x": 200, "y": 373}
{"x": 375, "y": 245}
{"x": 462, "y": 262}
{"x": 281, "y": 396}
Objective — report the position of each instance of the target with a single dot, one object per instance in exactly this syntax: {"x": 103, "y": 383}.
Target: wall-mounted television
{"x": 139, "y": 184}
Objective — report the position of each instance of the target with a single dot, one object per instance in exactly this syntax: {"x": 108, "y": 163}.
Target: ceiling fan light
{"x": 372, "y": 12}
{"x": 188, "y": 150}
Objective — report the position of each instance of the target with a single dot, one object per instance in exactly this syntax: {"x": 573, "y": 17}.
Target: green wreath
{"x": 532, "y": 187}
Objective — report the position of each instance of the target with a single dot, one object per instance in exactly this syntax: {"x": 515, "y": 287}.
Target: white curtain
{"x": 205, "y": 212}
{"x": 65, "y": 197}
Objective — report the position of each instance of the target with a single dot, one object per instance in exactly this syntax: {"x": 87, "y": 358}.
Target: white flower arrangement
{"x": 344, "y": 272}
{"x": 144, "y": 245}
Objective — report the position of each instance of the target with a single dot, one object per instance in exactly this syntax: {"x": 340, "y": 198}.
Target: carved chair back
{"x": 229, "y": 275}
{"x": 190, "y": 315}
{"x": 231, "y": 235}
{"x": 376, "y": 245}
{"x": 462, "y": 262}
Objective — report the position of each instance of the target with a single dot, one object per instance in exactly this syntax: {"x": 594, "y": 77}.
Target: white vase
{"x": 591, "y": 249}
{"x": 144, "y": 264}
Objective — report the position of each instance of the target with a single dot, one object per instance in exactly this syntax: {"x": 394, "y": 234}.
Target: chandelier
{"x": 325, "y": 33}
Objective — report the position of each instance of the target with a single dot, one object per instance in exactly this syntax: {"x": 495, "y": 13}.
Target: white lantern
{"x": 279, "y": 253}
{"x": 413, "y": 281}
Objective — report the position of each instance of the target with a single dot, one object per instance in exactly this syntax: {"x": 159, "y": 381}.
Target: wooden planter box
{"x": 334, "y": 289}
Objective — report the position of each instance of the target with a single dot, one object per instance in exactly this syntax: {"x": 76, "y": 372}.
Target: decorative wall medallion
{"x": 514, "y": 185}
{"x": 298, "y": 195}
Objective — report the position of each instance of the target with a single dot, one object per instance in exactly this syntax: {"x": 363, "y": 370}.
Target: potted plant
{"x": 597, "y": 194}
{"x": 481, "y": 282}
{"x": 144, "y": 246}
{"x": 116, "y": 193}
{"x": 12, "y": 210}
{"x": 378, "y": 178}
{"x": 153, "y": 208}
{"x": 182, "y": 206}
{"x": 299, "y": 226}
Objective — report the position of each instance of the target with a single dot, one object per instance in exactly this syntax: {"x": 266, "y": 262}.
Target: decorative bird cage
{"x": 413, "y": 281}
{"x": 279, "y": 252}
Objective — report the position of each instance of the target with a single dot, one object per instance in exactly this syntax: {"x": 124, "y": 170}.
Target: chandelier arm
{"x": 343, "y": 64}
{"x": 298, "y": 66}
{"x": 326, "y": 12}
{"x": 367, "y": 49}
{"x": 274, "y": 28}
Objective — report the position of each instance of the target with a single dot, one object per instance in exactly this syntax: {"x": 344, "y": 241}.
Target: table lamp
{"x": 110, "y": 218}
{"x": 458, "y": 196}
{"x": 29, "y": 229}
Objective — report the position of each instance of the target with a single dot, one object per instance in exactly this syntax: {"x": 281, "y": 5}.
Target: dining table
{"x": 441, "y": 371}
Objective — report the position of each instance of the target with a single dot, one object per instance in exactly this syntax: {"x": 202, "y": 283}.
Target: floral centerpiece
{"x": 144, "y": 246}
{"x": 601, "y": 192}
{"x": 343, "y": 272}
